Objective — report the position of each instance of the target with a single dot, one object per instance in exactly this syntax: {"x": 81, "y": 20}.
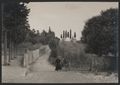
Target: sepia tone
{"x": 60, "y": 42}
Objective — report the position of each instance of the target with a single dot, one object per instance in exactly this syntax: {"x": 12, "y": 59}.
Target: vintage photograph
{"x": 59, "y": 42}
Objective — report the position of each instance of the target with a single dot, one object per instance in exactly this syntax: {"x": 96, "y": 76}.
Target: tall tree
{"x": 74, "y": 34}
{"x": 100, "y": 32}
{"x": 66, "y": 34}
{"x": 61, "y": 36}
{"x": 70, "y": 33}
{"x": 49, "y": 29}
{"x": 15, "y": 22}
{"x": 38, "y": 32}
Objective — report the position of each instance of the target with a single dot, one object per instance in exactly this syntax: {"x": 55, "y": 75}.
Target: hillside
{"x": 75, "y": 58}
{"x": 73, "y": 54}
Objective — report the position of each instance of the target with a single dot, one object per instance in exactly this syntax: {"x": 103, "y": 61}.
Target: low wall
{"x": 30, "y": 57}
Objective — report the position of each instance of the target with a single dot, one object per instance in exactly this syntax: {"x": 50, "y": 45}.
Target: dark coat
{"x": 58, "y": 64}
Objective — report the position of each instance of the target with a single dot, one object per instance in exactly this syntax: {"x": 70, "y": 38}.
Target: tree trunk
{"x": 15, "y": 50}
{"x": 9, "y": 53}
{"x": 8, "y": 39}
{"x": 10, "y": 48}
{"x": 5, "y": 48}
{"x": 1, "y": 33}
{"x": 12, "y": 51}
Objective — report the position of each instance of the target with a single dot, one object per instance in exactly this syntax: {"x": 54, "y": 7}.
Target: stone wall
{"x": 30, "y": 57}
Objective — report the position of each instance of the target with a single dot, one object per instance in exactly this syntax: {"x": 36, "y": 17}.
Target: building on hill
{"x": 67, "y": 36}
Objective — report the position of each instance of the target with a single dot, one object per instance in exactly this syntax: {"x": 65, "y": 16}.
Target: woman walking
{"x": 58, "y": 64}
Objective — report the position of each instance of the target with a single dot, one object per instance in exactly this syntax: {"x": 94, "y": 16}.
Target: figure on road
{"x": 58, "y": 64}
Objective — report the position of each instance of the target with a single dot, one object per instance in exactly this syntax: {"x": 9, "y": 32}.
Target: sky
{"x": 64, "y": 15}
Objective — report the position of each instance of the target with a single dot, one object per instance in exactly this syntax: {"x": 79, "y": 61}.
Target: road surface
{"x": 43, "y": 72}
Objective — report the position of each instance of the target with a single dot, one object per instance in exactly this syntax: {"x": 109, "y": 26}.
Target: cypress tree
{"x": 74, "y": 34}
{"x": 70, "y": 33}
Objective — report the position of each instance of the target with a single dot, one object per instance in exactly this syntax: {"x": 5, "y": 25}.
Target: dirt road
{"x": 42, "y": 72}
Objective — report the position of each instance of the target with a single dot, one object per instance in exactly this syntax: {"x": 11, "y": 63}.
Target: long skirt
{"x": 58, "y": 67}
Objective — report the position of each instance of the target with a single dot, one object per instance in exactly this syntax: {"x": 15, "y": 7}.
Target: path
{"x": 42, "y": 72}
{"x": 42, "y": 63}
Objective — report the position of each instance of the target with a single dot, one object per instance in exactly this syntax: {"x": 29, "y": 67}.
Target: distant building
{"x": 67, "y": 36}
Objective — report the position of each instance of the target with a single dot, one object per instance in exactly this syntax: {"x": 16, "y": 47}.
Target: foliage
{"x": 53, "y": 43}
{"x": 15, "y": 20}
{"x": 100, "y": 32}
{"x": 75, "y": 58}
{"x": 73, "y": 53}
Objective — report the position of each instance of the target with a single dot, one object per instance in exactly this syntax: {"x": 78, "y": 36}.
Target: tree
{"x": 34, "y": 31}
{"x": 66, "y": 34}
{"x": 38, "y": 32}
{"x": 100, "y": 32}
{"x": 53, "y": 43}
{"x": 16, "y": 20}
{"x": 70, "y": 33}
{"x": 15, "y": 23}
{"x": 49, "y": 29}
{"x": 61, "y": 36}
{"x": 50, "y": 35}
{"x": 74, "y": 34}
